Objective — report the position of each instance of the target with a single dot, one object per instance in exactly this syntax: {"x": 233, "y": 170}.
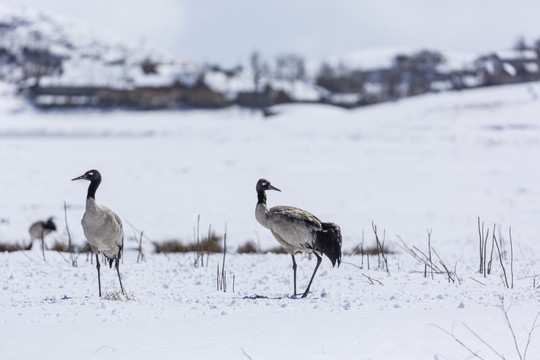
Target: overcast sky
{"x": 228, "y": 31}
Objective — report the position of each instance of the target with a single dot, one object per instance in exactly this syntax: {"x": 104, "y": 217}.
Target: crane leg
{"x": 117, "y": 266}
{"x": 42, "y": 242}
{"x": 294, "y": 273}
{"x": 319, "y": 259}
{"x": 98, "y": 265}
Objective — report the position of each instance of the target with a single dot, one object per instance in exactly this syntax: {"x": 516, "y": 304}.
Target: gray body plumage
{"x": 103, "y": 229}
{"x": 37, "y": 231}
{"x": 295, "y": 229}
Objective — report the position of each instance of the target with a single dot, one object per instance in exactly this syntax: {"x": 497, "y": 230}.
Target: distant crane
{"x": 39, "y": 230}
{"x": 298, "y": 230}
{"x": 102, "y": 227}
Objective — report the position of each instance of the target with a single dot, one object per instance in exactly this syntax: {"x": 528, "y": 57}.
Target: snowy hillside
{"x": 80, "y": 55}
{"x": 57, "y": 62}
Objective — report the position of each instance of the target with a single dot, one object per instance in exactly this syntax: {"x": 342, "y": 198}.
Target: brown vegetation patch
{"x": 248, "y": 248}
{"x": 209, "y": 244}
{"x": 10, "y": 247}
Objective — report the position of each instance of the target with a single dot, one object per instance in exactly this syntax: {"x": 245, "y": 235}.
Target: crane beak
{"x": 271, "y": 187}
{"x": 82, "y": 177}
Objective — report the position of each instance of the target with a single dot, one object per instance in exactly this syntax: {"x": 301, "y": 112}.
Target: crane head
{"x": 91, "y": 175}
{"x": 263, "y": 185}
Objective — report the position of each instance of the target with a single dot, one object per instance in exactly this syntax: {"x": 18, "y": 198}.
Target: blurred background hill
{"x": 58, "y": 61}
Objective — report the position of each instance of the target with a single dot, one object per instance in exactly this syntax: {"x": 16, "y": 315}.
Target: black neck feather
{"x": 261, "y": 196}
{"x": 94, "y": 184}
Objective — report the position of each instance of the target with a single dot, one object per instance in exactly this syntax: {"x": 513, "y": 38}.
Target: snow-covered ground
{"x": 434, "y": 162}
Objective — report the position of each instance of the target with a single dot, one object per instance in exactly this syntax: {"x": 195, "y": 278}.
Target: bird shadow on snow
{"x": 275, "y": 297}
{"x": 115, "y": 295}
{"x": 54, "y": 300}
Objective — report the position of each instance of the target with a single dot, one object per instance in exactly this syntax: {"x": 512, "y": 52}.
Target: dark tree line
{"x": 289, "y": 68}
{"x": 424, "y": 71}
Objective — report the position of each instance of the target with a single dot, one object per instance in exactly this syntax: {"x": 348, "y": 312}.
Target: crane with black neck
{"x": 102, "y": 227}
{"x": 298, "y": 231}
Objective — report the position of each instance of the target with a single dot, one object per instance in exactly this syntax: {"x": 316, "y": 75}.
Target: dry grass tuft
{"x": 170, "y": 246}
{"x": 210, "y": 244}
{"x": 248, "y": 248}
{"x": 10, "y": 247}
{"x": 65, "y": 247}
{"x": 118, "y": 295}
{"x": 276, "y": 250}
{"x": 372, "y": 250}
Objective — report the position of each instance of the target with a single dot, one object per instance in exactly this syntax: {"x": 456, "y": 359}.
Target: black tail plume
{"x": 118, "y": 256}
{"x": 328, "y": 242}
{"x": 49, "y": 225}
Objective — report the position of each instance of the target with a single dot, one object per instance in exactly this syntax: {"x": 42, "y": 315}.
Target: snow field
{"x": 435, "y": 162}
{"x": 176, "y": 308}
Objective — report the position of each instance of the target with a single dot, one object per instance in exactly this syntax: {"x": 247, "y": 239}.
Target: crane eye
{"x": 91, "y": 173}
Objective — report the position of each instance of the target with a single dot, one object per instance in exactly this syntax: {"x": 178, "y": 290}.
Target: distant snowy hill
{"x": 58, "y": 62}
{"x": 62, "y": 51}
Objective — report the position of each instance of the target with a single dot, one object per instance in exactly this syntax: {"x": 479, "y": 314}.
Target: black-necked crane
{"x": 298, "y": 231}
{"x": 39, "y": 230}
{"x": 102, "y": 227}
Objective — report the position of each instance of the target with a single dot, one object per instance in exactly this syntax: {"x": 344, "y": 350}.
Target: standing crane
{"x": 39, "y": 230}
{"x": 298, "y": 231}
{"x": 102, "y": 227}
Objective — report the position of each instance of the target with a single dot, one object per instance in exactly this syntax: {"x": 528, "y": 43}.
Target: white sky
{"x": 228, "y": 31}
